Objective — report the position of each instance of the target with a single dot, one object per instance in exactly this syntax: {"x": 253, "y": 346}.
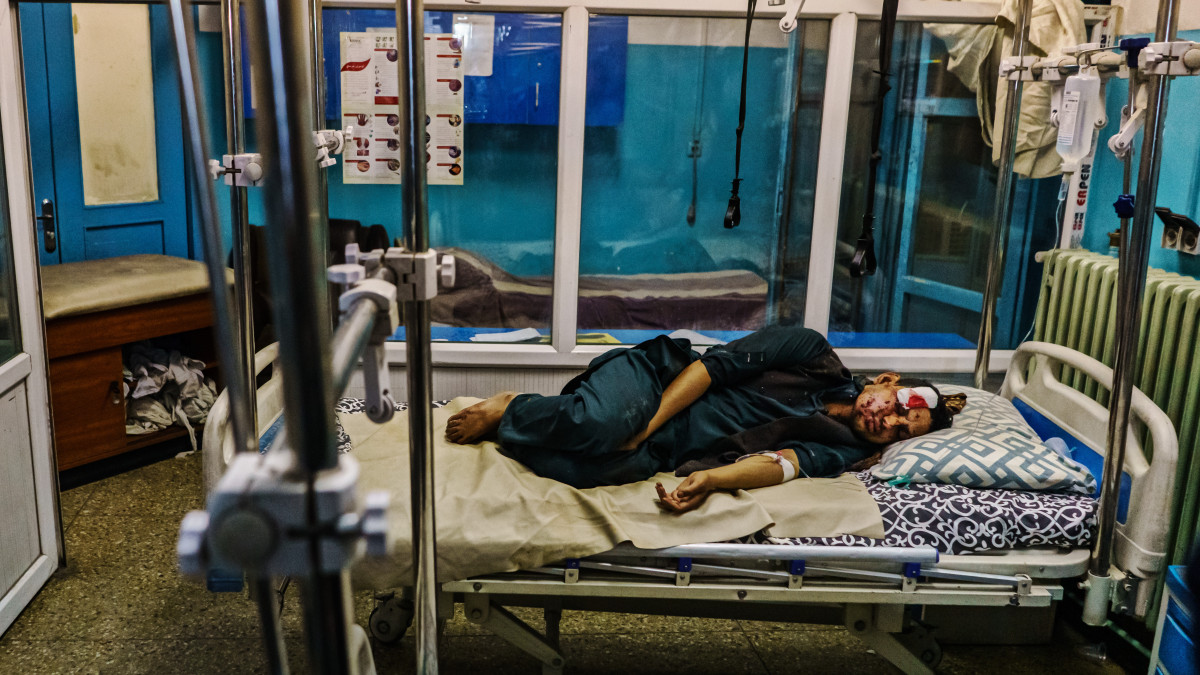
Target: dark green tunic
{"x": 768, "y": 392}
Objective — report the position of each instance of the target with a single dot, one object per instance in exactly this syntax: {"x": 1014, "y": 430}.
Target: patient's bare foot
{"x": 478, "y": 421}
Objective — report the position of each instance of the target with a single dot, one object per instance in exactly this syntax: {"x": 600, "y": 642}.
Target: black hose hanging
{"x": 863, "y": 262}
{"x": 733, "y": 214}
{"x": 694, "y": 149}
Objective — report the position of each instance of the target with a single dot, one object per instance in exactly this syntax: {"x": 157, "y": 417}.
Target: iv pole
{"x": 281, "y": 55}
{"x": 1002, "y": 214}
{"x": 1131, "y": 271}
{"x": 410, "y": 64}
{"x": 240, "y": 388}
{"x": 235, "y": 134}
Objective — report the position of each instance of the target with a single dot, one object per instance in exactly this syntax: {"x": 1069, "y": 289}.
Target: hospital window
{"x": 500, "y": 222}
{"x": 658, "y": 163}
{"x": 934, "y": 203}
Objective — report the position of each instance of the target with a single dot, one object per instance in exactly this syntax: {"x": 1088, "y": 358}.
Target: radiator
{"x": 1077, "y": 309}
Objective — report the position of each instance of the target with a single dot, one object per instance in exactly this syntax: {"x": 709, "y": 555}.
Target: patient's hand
{"x": 690, "y": 494}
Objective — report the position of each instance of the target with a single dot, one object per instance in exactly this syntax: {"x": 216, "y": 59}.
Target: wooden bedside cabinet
{"x": 92, "y": 310}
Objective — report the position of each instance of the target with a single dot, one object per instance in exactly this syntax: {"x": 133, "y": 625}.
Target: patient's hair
{"x": 948, "y": 405}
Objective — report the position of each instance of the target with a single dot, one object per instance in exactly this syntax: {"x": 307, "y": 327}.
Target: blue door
{"x": 73, "y": 225}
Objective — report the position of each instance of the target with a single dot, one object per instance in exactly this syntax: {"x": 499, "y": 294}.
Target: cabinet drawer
{"x": 88, "y": 405}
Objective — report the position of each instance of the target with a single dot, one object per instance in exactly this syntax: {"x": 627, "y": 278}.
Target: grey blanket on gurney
{"x": 495, "y": 515}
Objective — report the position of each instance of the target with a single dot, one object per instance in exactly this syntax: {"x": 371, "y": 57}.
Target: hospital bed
{"x": 485, "y": 295}
{"x": 882, "y": 594}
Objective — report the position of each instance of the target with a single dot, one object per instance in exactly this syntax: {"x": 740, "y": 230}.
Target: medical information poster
{"x": 370, "y": 94}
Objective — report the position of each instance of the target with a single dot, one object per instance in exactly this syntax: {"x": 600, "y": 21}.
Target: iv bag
{"x": 1081, "y": 108}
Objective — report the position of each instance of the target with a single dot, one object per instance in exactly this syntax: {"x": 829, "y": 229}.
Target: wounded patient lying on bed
{"x": 756, "y": 412}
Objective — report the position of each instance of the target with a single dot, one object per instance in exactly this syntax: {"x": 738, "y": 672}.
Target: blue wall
{"x": 1179, "y": 178}
{"x": 506, "y": 207}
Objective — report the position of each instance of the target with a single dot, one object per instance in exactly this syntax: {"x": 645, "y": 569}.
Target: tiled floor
{"x": 121, "y": 607}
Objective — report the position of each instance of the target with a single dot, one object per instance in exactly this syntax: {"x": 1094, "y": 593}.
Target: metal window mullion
{"x": 572, "y": 110}
{"x": 831, "y": 159}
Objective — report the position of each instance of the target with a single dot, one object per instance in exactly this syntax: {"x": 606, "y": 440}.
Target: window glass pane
{"x": 10, "y": 325}
{"x": 933, "y": 208}
{"x": 115, "y": 84}
{"x": 952, "y": 232}
{"x": 499, "y": 223}
{"x": 659, "y": 157}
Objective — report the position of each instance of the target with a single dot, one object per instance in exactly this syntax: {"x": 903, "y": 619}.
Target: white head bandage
{"x": 789, "y": 469}
{"x": 917, "y": 397}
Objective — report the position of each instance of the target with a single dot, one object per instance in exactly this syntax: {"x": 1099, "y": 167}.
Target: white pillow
{"x": 989, "y": 446}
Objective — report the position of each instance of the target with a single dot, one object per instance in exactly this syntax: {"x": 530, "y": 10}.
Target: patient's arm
{"x": 753, "y": 472}
{"x": 683, "y": 391}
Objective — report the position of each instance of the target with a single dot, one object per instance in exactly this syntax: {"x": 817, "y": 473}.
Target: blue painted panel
{"x": 127, "y": 239}
{"x": 1183, "y": 606}
{"x": 1079, "y": 452}
{"x": 37, "y": 105}
{"x": 1179, "y": 188}
{"x": 1176, "y": 649}
{"x": 526, "y": 59}
{"x": 76, "y": 221}
{"x": 899, "y": 341}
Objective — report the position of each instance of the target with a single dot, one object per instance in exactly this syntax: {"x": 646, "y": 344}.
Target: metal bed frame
{"x": 871, "y": 590}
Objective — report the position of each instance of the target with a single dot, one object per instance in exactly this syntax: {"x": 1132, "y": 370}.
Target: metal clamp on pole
{"x": 1053, "y": 69}
{"x": 417, "y": 273}
{"x": 331, "y": 142}
{"x": 242, "y": 170}
{"x": 257, "y": 520}
{"x": 1018, "y": 68}
{"x": 1180, "y": 57}
{"x": 1132, "y": 121}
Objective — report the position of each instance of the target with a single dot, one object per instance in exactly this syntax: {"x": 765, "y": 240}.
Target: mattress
{"x": 951, "y": 518}
{"x": 956, "y": 519}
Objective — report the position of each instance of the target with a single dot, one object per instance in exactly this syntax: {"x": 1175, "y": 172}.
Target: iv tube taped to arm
{"x": 789, "y": 469}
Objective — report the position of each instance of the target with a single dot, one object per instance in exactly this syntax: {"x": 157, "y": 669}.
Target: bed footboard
{"x": 1036, "y": 377}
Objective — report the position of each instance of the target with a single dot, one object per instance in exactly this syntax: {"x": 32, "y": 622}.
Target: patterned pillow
{"x": 989, "y": 446}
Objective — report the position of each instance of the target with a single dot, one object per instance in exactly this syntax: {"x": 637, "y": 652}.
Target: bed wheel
{"x": 931, "y": 656}
{"x": 918, "y": 639}
{"x": 391, "y": 618}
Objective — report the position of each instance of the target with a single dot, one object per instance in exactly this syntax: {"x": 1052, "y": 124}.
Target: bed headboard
{"x": 1034, "y": 378}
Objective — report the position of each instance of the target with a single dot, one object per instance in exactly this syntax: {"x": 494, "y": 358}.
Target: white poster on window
{"x": 444, "y": 82}
{"x": 370, "y": 95}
